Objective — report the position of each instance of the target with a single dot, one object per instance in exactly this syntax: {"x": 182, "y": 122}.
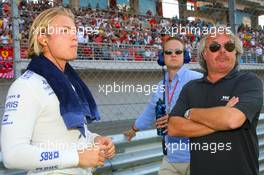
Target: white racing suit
{"x": 34, "y": 136}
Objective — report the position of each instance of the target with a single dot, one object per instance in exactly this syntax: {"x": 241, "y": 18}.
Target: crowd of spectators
{"x": 120, "y": 35}
{"x": 253, "y": 43}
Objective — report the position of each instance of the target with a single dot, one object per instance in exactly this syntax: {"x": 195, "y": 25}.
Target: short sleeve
{"x": 250, "y": 93}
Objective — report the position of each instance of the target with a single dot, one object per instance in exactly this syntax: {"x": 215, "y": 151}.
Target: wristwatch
{"x": 186, "y": 114}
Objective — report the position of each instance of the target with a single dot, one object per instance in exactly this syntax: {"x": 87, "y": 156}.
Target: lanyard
{"x": 169, "y": 97}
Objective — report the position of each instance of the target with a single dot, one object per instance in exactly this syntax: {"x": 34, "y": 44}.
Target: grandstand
{"x": 122, "y": 43}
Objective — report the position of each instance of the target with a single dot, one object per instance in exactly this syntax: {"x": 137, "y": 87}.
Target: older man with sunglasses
{"x": 220, "y": 111}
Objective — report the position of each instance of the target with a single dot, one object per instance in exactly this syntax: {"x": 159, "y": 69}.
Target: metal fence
{"x": 125, "y": 52}
{"x": 122, "y": 88}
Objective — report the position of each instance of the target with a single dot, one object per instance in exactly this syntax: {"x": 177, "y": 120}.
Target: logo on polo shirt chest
{"x": 225, "y": 98}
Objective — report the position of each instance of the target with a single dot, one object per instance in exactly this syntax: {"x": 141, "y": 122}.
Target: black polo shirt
{"x": 233, "y": 152}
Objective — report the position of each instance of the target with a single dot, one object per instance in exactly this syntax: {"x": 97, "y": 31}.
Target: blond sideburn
{"x": 40, "y": 26}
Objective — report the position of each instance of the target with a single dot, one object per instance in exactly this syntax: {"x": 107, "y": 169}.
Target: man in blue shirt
{"x": 177, "y": 160}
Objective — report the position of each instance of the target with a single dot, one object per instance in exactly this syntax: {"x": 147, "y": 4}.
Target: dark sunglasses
{"x": 170, "y": 52}
{"x": 229, "y": 46}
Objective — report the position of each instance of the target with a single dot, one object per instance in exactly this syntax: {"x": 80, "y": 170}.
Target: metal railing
{"x": 142, "y": 156}
{"x": 126, "y": 52}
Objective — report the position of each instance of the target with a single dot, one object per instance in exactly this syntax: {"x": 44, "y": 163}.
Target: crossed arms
{"x": 204, "y": 121}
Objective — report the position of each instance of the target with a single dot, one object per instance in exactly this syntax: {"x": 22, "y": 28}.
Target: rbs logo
{"x": 49, "y": 155}
{"x": 11, "y": 105}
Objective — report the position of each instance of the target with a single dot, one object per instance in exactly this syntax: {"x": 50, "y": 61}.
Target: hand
{"x": 163, "y": 121}
{"x": 109, "y": 150}
{"x": 92, "y": 157}
{"x": 232, "y": 102}
{"x": 130, "y": 134}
